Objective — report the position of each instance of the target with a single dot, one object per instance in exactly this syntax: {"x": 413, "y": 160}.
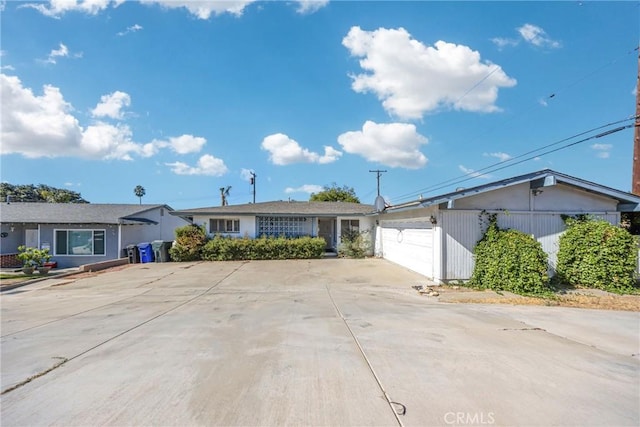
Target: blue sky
{"x": 184, "y": 97}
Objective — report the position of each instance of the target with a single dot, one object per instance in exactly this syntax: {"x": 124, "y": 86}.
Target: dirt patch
{"x": 10, "y": 279}
{"x": 581, "y": 298}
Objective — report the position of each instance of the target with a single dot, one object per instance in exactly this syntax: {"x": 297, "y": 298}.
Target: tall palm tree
{"x": 139, "y": 191}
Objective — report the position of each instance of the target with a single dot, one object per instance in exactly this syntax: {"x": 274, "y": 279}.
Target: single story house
{"x": 283, "y": 218}
{"x": 435, "y": 236}
{"x": 82, "y": 233}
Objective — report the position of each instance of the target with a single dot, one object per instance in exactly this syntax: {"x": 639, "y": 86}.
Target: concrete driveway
{"x": 321, "y": 342}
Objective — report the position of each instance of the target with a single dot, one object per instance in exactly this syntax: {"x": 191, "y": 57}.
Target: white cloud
{"x": 111, "y": 105}
{"x": 330, "y": 155}
{"x": 531, "y": 34}
{"x": 537, "y": 36}
{"x": 44, "y": 126}
{"x": 412, "y": 79}
{"x": 603, "y": 151}
{"x": 207, "y": 165}
{"x": 131, "y": 29}
{"x": 7, "y": 67}
{"x": 285, "y": 151}
{"x": 57, "y": 8}
{"x": 473, "y": 173}
{"x": 391, "y": 144}
{"x": 504, "y": 42}
{"x": 61, "y": 52}
{"x": 503, "y": 157}
{"x": 203, "y": 9}
{"x": 306, "y": 188}
{"x": 310, "y": 6}
{"x": 187, "y": 144}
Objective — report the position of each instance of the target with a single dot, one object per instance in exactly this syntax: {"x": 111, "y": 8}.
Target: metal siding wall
{"x": 462, "y": 230}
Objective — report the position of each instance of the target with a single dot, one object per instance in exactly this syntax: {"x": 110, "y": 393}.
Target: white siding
{"x": 163, "y": 230}
{"x": 408, "y": 243}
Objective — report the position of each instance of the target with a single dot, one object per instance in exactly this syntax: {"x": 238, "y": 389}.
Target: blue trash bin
{"x": 146, "y": 252}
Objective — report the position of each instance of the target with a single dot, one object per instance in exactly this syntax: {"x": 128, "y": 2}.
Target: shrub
{"x": 354, "y": 244}
{"x": 190, "y": 240}
{"x": 33, "y": 256}
{"x": 510, "y": 260}
{"x": 228, "y": 248}
{"x": 596, "y": 254}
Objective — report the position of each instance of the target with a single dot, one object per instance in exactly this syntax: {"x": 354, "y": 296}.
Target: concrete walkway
{"x": 321, "y": 342}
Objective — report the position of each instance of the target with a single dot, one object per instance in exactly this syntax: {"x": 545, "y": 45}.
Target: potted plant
{"x": 33, "y": 258}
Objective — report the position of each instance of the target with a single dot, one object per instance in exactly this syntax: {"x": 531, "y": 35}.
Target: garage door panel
{"x": 410, "y": 247}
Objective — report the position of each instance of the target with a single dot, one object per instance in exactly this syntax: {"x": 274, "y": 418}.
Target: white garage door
{"x": 410, "y": 245}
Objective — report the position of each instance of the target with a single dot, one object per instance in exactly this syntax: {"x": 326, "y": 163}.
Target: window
{"x": 79, "y": 242}
{"x": 350, "y": 225}
{"x": 224, "y": 225}
{"x": 277, "y": 226}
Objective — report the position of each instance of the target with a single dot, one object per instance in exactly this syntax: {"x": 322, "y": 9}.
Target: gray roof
{"x": 282, "y": 208}
{"x": 74, "y": 213}
{"x": 627, "y": 202}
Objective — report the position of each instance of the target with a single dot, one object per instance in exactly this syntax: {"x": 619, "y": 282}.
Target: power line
{"x": 523, "y": 157}
{"x": 552, "y": 96}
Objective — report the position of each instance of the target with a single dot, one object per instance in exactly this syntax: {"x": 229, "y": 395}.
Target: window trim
{"x": 93, "y": 237}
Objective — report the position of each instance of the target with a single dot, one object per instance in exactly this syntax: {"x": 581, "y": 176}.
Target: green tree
{"x": 139, "y": 191}
{"x": 335, "y": 194}
{"x": 40, "y": 193}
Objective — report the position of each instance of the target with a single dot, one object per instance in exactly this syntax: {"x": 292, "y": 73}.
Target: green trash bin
{"x": 161, "y": 250}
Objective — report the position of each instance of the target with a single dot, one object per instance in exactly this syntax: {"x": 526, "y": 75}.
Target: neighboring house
{"x": 282, "y": 218}
{"x": 82, "y": 233}
{"x": 436, "y": 236}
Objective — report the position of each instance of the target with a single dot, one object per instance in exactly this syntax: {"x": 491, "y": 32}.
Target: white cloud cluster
{"x": 306, "y": 188}
{"x": 207, "y": 165}
{"x": 391, "y": 144}
{"x": 603, "y": 151}
{"x": 412, "y": 79}
{"x": 132, "y": 29}
{"x": 306, "y": 7}
{"x": 202, "y": 9}
{"x": 503, "y": 157}
{"x": 57, "y": 8}
{"x": 111, "y": 105}
{"x": 61, "y": 52}
{"x": 531, "y": 34}
{"x": 285, "y": 151}
{"x": 537, "y": 36}
{"x": 43, "y": 126}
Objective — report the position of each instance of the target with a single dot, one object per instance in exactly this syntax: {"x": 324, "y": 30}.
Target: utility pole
{"x": 252, "y": 181}
{"x": 635, "y": 178}
{"x": 378, "y": 174}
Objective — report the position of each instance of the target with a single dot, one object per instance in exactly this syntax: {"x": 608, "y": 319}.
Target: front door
{"x": 31, "y": 238}
{"x": 326, "y": 230}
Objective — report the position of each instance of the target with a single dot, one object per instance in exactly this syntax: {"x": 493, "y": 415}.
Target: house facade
{"x": 283, "y": 218}
{"x": 78, "y": 234}
{"x": 436, "y": 236}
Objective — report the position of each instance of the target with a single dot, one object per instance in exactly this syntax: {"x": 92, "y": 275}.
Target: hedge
{"x": 596, "y": 254}
{"x": 510, "y": 260}
{"x": 228, "y": 248}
